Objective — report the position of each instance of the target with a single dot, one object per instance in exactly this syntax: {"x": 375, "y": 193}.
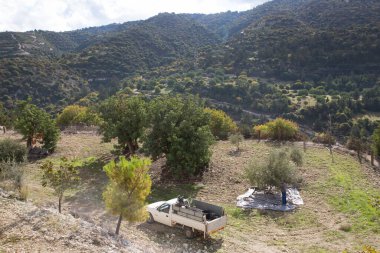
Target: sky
{"x": 64, "y": 15}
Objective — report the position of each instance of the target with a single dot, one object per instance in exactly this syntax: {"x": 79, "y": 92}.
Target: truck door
{"x": 163, "y": 215}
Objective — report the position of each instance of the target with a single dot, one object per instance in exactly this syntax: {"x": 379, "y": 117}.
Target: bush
{"x": 77, "y": 115}
{"x": 324, "y": 138}
{"x": 296, "y": 156}
{"x": 278, "y": 129}
{"x": 236, "y": 139}
{"x": 12, "y": 171}
{"x": 221, "y": 125}
{"x": 11, "y": 150}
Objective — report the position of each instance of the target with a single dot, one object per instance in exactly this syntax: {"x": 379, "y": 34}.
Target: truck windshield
{"x": 164, "y": 208}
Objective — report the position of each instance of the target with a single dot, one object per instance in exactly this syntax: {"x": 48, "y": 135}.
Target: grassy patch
{"x": 348, "y": 191}
{"x": 302, "y": 218}
{"x": 243, "y": 220}
{"x": 333, "y": 235}
{"x": 318, "y": 249}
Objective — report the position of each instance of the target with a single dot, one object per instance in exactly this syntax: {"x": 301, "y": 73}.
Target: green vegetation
{"x": 36, "y": 125}
{"x": 60, "y": 178}
{"x": 346, "y": 189}
{"x": 278, "y": 129}
{"x": 277, "y": 171}
{"x": 127, "y": 189}
{"x": 236, "y": 139}
{"x": 11, "y": 150}
{"x": 77, "y": 115}
{"x": 221, "y": 125}
{"x": 125, "y": 119}
{"x": 170, "y": 191}
{"x": 376, "y": 140}
{"x": 180, "y": 131}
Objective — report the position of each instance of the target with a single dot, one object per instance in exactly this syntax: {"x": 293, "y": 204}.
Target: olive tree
{"x": 129, "y": 185}
{"x": 278, "y": 171}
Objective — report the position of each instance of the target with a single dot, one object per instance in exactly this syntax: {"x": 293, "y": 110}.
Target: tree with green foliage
{"x": 4, "y": 117}
{"x": 236, "y": 139}
{"x": 36, "y": 125}
{"x": 129, "y": 185}
{"x": 357, "y": 141}
{"x": 180, "y": 131}
{"x": 278, "y": 171}
{"x": 376, "y": 140}
{"x": 221, "y": 125}
{"x": 60, "y": 178}
{"x": 278, "y": 129}
{"x": 124, "y": 118}
{"x": 77, "y": 115}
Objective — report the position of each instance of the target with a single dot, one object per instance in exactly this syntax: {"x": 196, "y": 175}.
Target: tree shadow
{"x": 87, "y": 199}
{"x": 166, "y": 191}
{"x": 236, "y": 152}
{"x": 175, "y": 238}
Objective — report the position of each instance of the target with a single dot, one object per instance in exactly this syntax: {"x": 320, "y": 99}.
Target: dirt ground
{"x": 315, "y": 227}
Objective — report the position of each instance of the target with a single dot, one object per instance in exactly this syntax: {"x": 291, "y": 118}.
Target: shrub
{"x": 11, "y": 150}
{"x": 221, "y": 125}
{"x": 236, "y": 139}
{"x": 296, "y": 156}
{"x": 12, "y": 171}
{"x": 278, "y": 129}
{"x": 77, "y": 115}
{"x": 324, "y": 138}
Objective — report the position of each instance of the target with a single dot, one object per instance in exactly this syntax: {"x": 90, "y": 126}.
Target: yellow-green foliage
{"x": 128, "y": 187}
{"x": 278, "y": 129}
{"x": 221, "y": 125}
{"x": 59, "y": 178}
{"x": 324, "y": 138}
{"x": 77, "y": 115}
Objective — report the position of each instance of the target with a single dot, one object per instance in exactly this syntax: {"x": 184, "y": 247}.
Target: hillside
{"x": 25, "y": 227}
{"x": 306, "y": 39}
{"x": 155, "y": 42}
{"x": 340, "y": 212}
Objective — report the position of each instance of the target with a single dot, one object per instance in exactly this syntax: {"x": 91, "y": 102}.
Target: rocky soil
{"x": 27, "y": 228}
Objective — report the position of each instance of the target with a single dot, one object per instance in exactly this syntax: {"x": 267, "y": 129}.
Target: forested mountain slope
{"x": 331, "y": 43}
{"x": 306, "y": 39}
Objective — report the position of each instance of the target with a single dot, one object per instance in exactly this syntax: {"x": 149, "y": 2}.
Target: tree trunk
{"x": 60, "y": 202}
{"x": 131, "y": 147}
{"x": 29, "y": 142}
{"x": 118, "y": 224}
{"x": 331, "y": 153}
{"x": 283, "y": 194}
{"x": 304, "y": 146}
{"x": 359, "y": 156}
{"x": 372, "y": 158}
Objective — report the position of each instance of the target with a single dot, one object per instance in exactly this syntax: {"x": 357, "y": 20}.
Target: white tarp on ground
{"x": 269, "y": 201}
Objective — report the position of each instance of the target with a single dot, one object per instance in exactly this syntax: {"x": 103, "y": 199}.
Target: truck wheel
{"x": 150, "y": 219}
{"x": 189, "y": 233}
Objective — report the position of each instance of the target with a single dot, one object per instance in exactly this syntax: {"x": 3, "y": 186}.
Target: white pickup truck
{"x": 197, "y": 217}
